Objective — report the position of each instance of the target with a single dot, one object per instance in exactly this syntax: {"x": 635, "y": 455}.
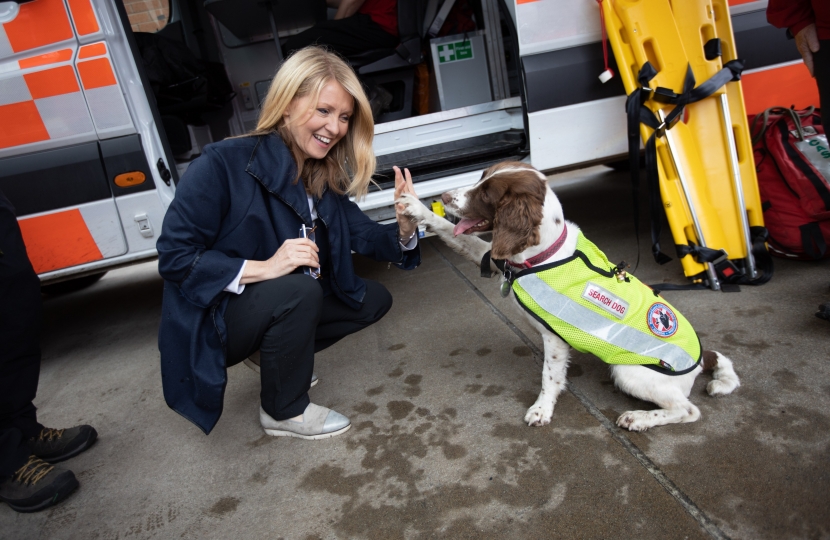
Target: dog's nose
{"x": 446, "y": 198}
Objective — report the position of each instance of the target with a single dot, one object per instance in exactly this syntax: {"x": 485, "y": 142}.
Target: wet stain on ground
{"x": 484, "y": 351}
{"x": 422, "y": 412}
{"x": 265, "y": 439}
{"x": 525, "y": 397}
{"x": 522, "y": 350}
{"x": 456, "y": 352}
{"x": 530, "y": 483}
{"x": 365, "y": 407}
{"x": 574, "y": 370}
{"x": 412, "y": 389}
{"x": 492, "y": 390}
{"x": 473, "y": 388}
{"x": 453, "y": 451}
{"x": 397, "y": 372}
{"x": 787, "y": 379}
{"x": 422, "y": 428}
{"x": 374, "y": 391}
{"x": 397, "y": 347}
{"x": 223, "y": 506}
{"x": 258, "y": 478}
{"x": 399, "y": 410}
{"x": 756, "y": 347}
{"x": 788, "y": 442}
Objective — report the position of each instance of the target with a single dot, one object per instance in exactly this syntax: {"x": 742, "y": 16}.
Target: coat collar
{"x": 273, "y": 165}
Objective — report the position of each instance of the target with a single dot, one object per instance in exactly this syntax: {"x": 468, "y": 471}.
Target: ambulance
{"x": 94, "y": 138}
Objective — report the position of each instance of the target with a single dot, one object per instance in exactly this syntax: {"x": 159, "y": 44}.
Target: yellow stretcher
{"x": 706, "y": 169}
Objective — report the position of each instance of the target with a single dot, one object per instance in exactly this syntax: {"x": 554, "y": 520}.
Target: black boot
{"x": 36, "y": 486}
{"x": 54, "y": 445}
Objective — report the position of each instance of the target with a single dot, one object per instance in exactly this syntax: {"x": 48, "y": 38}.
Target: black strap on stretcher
{"x": 638, "y": 113}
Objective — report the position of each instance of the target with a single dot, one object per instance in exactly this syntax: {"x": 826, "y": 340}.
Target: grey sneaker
{"x": 54, "y": 445}
{"x": 318, "y": 423}
{"x": 253, "y": 363}
{"x": 36, "y": 486}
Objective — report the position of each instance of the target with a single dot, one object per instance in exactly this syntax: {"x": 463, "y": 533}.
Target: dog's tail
{"x": 725, "y": 380}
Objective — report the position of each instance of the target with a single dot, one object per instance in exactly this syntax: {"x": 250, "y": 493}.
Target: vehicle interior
{"x": 454, "y": 78}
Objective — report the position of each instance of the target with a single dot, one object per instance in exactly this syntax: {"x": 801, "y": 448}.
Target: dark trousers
{"x": 821, "y": 69}
{"x": 349, "y": 36}
{"x": 20, "y": 323}
{"x": 289, "y": 319}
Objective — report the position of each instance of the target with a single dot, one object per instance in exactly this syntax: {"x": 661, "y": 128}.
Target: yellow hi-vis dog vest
{"x": 622, "y": 321}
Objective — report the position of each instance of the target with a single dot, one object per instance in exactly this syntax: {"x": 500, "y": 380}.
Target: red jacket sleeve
{"x": 792, "y": 14}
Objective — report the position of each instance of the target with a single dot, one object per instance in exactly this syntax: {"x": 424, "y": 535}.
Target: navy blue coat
{"x": 237, "y": 201}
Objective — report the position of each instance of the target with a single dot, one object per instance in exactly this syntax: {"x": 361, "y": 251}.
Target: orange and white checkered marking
{"x": 103, "y": 95}
{"x": 44, "y": 102}
{"x": 73, "y": 236}
{"x": 40, "y": 23}
{"x": 83, "y": 15}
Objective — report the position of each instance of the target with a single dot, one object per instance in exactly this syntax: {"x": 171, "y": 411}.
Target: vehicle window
{"x": 147, "y": 15}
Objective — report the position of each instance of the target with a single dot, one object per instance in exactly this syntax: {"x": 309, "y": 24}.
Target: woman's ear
{"x": 516, "y": 224}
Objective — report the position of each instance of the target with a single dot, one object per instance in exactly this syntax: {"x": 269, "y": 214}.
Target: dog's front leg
{"x": 468, "y": 246}
{"x": 554, "y": 378}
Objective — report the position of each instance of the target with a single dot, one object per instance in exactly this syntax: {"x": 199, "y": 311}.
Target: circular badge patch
{"x": 661, "y": 320}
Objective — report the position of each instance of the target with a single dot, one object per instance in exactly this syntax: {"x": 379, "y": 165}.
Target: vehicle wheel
{"x": 71, "y": 285}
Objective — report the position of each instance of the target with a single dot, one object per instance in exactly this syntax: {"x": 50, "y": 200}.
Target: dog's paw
{"x": 413, "y": 207}
{"x": 538, "y": 416}
{"x": 635, "y": 420}
{"x": 720, "y": 388}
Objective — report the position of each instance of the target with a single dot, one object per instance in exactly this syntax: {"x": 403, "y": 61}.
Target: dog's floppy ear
{"x": 518, "y": 214}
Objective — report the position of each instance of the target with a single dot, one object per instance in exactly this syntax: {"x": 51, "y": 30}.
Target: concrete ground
{"x": 436, "y": 392}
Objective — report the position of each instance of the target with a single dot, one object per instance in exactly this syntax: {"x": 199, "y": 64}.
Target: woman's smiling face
{"x": 316, "y": 129}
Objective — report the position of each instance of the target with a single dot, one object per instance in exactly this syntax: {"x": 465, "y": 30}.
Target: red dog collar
{"x": 547, "y": 254}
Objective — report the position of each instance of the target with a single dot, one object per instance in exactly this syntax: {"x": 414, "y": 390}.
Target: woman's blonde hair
{"x": 349, "y": 165}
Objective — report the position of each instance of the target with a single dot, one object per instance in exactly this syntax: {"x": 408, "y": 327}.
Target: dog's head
{"x": 509, "y": 200}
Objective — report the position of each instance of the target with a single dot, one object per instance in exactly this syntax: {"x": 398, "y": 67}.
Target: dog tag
{"x": 505, "y": 289}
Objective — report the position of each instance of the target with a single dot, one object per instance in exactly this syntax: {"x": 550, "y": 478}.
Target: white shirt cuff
{"x": 409, "y": 246}
{"x": 234, "y": 286}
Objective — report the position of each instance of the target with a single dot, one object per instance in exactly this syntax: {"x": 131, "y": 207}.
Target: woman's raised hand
{"x": 406, "y": 226}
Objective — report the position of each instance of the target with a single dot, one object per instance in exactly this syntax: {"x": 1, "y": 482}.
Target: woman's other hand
{"x": 291, "y": 255}
{"x": 406, "y": 226}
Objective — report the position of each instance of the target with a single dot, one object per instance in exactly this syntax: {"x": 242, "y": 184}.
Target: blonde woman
{"x": 239, "y": 274}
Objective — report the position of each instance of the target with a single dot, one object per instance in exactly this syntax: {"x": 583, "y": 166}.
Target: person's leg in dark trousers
{"x": 349, "y": 36}
{"x": 20, "y": 322}
{"x": 278, "y": 317}
{"x": 339, "y": 320}
{"x": 288, "y": 319}
{"x": 821, "y": 70}
{"x": 27, "y": 483}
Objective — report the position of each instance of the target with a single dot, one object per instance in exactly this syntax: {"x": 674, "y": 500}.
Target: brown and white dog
{"x": 514, "y": 201}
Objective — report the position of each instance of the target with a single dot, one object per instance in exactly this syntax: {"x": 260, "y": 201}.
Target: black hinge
{"x": 165, "y": 174}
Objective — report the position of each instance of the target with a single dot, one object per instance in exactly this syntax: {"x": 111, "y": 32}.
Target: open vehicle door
{"x": 81, "y": 156}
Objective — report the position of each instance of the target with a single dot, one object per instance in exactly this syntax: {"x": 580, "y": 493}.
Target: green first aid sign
{"x": 453, "y": 52}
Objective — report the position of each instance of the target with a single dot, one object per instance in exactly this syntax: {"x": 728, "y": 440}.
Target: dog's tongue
{"x": 462, "y": 226}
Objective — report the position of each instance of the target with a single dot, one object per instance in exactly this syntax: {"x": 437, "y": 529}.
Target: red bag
{"x": 792, "y": 159}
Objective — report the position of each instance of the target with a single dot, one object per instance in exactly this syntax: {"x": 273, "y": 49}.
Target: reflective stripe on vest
{"x": 620, "y": 322}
